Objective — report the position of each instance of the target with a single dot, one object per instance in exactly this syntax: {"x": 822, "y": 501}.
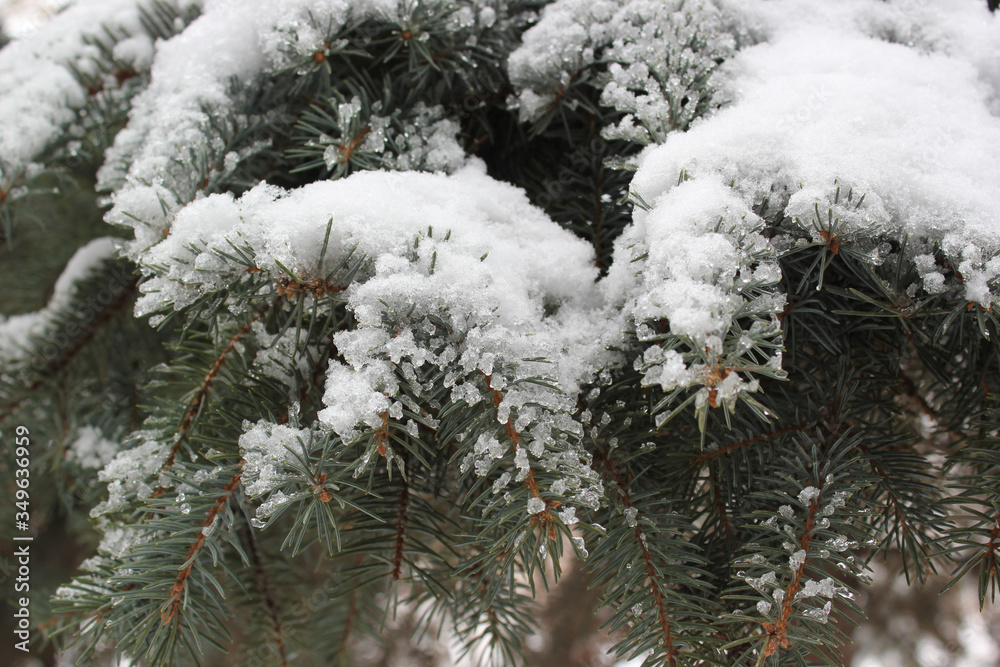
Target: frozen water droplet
{"x": 630, "y": 516}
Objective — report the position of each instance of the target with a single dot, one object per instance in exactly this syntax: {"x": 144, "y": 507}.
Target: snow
{"x": 819, "y": 104}
{"x": 40, "y": 93}
{"x": 698, "y": 249}
{"x": 152, "y": 169}
{"x": 435, "y": 287}
{"x": 128, "y": 475}
{"x": 423, "y": 139}
{"x": 278, "y": 356}
{"x": 822, "y": 104}
{"x": 489, "y": 226}
{"x": 896, "y": 101}
{"x": 18, "y": 332}
{"x": 90, "y": 449}
{"x": 659, "y": 53}
{"x": 266, "y": 448}
{"x": 826, "y": 587}
{"x": 808, "y": 494}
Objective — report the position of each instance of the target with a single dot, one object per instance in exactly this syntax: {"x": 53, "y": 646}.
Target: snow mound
{"x": 821, "y": 105}
{"x": 41, "y": 94}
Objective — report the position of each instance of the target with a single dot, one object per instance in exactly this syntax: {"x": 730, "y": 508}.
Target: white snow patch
{"x": 17, "y": 332}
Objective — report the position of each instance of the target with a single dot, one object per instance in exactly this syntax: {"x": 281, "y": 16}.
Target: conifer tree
{"x": 318, "y": 310}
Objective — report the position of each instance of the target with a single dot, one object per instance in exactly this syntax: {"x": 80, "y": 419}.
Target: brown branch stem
{"x": 195, "y": 405}
{"x": 777, "y": 633}
{"x": 647, "y": 558}
{"x": 705, "y": 457}
{"x": 401, "y": 518}
{"x": 176, "y": 595}
{"x": 512, "y": 433}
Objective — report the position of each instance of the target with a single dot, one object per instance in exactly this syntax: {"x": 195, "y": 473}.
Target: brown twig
{"x": 647, "y": 558}
{"x": 777, "y": 633}
{"x": 194, "y": 406}
{"x": 290, "y": 289}
{"x": 514, "y": 436}
{"x": 401, "y": 518}
{"x": 346, "y": 150}
{"x": 543, "y": 518}
{"x": 382, "y": 434}
{"x": 705, "y": 457}
{"x": 176, "y": 595}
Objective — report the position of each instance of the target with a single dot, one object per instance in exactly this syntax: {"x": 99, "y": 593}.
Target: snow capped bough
{"x": 457, "y": 283}
{"x": 911, "y": 129}
{"x": 659, "y": 57}
{"x": 45, "y": 79}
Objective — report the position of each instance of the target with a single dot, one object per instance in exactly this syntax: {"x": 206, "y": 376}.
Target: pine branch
{"x": 723, "y": 437}
{"x": 777, "y": 633}
{"x": 516, "y": 442}
{"x": 263, "y": 587}
{"x": 201, "y": 394}
{"x": 60, "y": 363}
{"x": 404, "y": 500}
{"x": 803, "y": 538}
{"x": 621, "y": 487}
{"x": 177, "y": 591}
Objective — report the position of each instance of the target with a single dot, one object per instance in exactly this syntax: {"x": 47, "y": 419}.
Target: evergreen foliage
{"x": 844, "y": 412}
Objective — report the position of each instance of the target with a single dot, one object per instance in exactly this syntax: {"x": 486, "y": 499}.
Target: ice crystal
{"x": 630, "y": 516}
{"x": 536, "y": 505}
{"x": 820, "y": 614}
{"x": 808, "y": 494}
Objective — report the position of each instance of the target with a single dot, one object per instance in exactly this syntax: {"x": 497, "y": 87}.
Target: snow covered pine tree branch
{"x": 413, "y": 303}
